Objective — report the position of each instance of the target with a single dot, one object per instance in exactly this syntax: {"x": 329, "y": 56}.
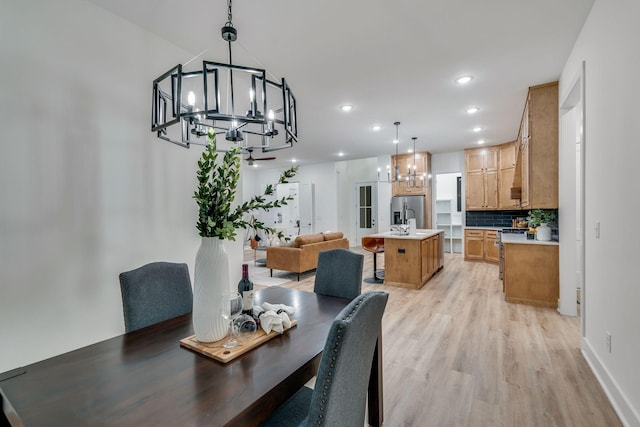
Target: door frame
{"x": 575, "y": 142}
{"x": 374, "y": 209}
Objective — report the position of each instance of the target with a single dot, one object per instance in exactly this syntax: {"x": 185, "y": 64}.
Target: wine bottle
{"x": 245, "y": 288}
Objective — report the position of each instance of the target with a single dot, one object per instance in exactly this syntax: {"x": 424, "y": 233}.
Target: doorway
{"x": 448, "y": 208}
{"x": 367, "y": 209}
{"x": 573, "y": 290}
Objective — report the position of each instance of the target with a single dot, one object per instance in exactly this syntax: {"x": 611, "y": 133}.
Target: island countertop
{"x": 421, "y": 234}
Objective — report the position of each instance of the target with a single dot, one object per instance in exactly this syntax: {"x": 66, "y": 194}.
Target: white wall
{"x": 609, "y": 45}
{"x": 447, "y": 162}
{"x": 87, "y": 191}
{"x": 351, "y": 173}
{"x": 322, "y": 176}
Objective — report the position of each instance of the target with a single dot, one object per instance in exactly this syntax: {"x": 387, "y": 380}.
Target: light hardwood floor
{"x": 456, "y": 354}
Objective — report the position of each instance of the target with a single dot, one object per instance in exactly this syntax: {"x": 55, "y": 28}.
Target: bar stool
{"x": 374, "y": 245}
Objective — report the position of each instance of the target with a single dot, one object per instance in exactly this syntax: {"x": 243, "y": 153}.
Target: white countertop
{"x": 420, "y": 234}
{"x": 522, "y": 239}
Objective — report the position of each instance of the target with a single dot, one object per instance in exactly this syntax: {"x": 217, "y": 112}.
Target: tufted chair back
{"x": 340, "y": 393}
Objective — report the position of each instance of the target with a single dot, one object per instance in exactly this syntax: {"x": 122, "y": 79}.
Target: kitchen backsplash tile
{"x": 492, "y": 218}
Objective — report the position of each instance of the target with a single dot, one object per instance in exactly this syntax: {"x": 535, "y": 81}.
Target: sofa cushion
{"x": 332, "y": 236}
{"x": 309, "y": 238}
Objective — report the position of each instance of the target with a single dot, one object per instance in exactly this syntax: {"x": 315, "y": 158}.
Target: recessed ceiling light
{"x": 341, "y": 154}
{"x": 481, "y": 141}
{"x": 464, "y": 80}
{"x": 346, "y": 107}
{"x": 473, "y": 110}
{"x": 477, "y": 129}
{"x": 376, "y": 128}
{"x": 293, "y": 160}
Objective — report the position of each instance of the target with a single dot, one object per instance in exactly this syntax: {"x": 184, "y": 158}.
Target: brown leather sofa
{"x": 303, "y": 254}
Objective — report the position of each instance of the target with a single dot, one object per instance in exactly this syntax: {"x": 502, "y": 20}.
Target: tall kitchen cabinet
{"x": 410, "y": 166}
{"x": 506, "y": 173}
{"x": 535, "y": 181}
{"x": 481, "y": 167}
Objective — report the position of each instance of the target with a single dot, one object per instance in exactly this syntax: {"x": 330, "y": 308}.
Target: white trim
{"x": 621, "y": 404}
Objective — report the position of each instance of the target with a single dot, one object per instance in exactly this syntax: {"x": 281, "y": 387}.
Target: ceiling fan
{"x": 252, "y": 159}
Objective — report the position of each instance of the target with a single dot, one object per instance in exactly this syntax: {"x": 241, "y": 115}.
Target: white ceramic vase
{"x": 543, "y": 232}
{"x": 211, "y": 291}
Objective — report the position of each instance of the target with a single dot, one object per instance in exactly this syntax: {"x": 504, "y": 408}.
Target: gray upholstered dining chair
{"x": 155, "y": 292}
{"x": 340, "y": 394}
{"x": 339, "y": 273}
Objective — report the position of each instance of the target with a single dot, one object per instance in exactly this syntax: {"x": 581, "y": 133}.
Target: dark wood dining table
{"x": 146, "y": 378}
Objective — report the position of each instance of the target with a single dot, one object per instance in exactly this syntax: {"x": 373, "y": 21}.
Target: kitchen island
{"x": 531, "y": 271}
{"x": 411, "y": 260}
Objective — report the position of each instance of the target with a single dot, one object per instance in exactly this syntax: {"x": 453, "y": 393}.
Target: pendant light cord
{"x": 230, "y": 24}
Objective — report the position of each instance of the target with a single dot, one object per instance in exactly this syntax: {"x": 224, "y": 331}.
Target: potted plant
{"x": 540, "y": 216}
{"x": 219, "y": 220}
{"x": 540, "y": 219}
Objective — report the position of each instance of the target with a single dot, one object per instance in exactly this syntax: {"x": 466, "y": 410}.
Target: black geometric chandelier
{"x": 239, "y": 102}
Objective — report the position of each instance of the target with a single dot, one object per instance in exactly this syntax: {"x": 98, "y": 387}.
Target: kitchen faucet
{"x": 405, "y": 210}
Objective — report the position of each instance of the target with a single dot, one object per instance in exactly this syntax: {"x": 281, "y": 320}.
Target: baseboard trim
{"x": 619, "y": 401}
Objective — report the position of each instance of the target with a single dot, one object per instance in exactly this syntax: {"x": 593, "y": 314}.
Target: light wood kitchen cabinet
{"x": 531, "y": 274}
{"x": 407, "y": 163}
{"x": 481, "y": 192}
{"x": 481, "y": 159}
{"x": 536, "y": 171}
{"x": 473, "y": 245}
{"x": 411, "y": 262}
{"x": 432, "y": 259}
{"x": 507, "y": 155}
{"x": 506, "y": 172}
{"x": 480, "y": 245}
{"x": 491, "y": 251}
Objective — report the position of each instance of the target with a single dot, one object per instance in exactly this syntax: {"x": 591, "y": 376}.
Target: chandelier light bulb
{"x": 191, "y": 98}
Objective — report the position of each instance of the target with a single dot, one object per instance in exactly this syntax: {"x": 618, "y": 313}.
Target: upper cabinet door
{"x": 474, "y": 161}
{"x": 490, "y": 158}
{"x": 508, "y": 155}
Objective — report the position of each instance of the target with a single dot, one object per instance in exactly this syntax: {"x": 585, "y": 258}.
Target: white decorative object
{"x": 211, "y": 290}
{"x": 412, "y": 226}
{"x": 543, "y": 232}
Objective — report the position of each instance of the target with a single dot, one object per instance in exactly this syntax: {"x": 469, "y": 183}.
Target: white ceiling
{"x": 392, "y": 60}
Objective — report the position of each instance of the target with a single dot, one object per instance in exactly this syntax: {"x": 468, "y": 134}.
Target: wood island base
{"x": 411, "y": 260}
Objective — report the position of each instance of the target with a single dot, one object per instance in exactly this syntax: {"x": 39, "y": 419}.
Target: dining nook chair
{"x": 340, "y": 392}
{"x": 155, "y": 292}
{"x": 339, "y": 273}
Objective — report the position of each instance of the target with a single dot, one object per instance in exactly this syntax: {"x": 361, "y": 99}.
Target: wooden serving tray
{"x": 216, "y": 351}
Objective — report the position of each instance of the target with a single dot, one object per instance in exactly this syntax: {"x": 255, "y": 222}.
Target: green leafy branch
{"x": 216, "y": 192}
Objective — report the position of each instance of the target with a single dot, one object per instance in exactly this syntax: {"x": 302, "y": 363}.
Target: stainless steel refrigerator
{"x": 406, "y": 207}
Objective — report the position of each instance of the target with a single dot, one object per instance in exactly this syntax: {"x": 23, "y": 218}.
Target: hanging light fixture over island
{"x": 412, "y": 179}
